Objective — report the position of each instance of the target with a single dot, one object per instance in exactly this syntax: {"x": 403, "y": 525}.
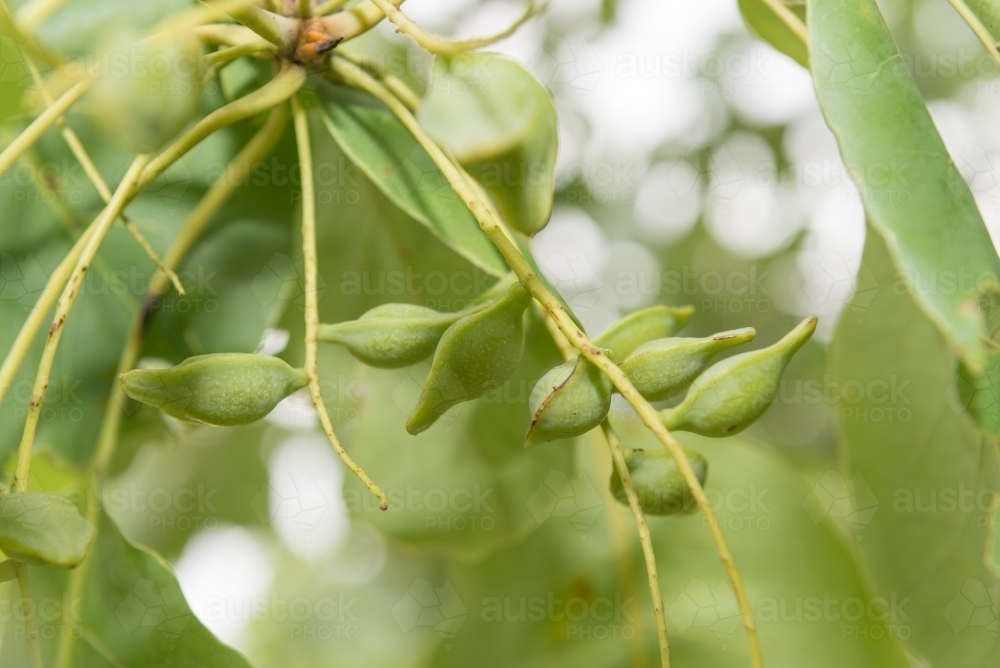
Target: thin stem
{"x": 329, "y": 7}
{"x": 790, "y": 19}
{"x": 34, "y": 648}
{"x": 304, "y": 9}
{"x": 644, "y": 538}
{"x": 33, "y": 132}
{"x": 988, "y": 40}
{"x": 312, "y": 307}
{"x": 230, "y": 34}
{"x": 533, "y": 284}
{"x": 618, "y": 457}
{"x": 63, "y": 306}
{"x": 235, "y": 175}
{"x": 55, "y": 284}
{"x": 352, "y": 22}
{"x": 281, "y": 31}
{"x": 288, "y": 80}
{"x": 442, "y": 45}
{"x": 395, "y": 85}
{"x": 233, "y": 52}
{"x": 90, "y": 169}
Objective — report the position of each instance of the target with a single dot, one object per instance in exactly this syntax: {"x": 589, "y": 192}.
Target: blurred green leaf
{"x": 915, "y": 196}
{"x": 500, "y": 122}
{"x": 384, "y": 150}
{"x": 43, "y": 528}
{"x": 774, "y": 30}
{"x": 131, "y": 612}
{"x": 923, "y": 477}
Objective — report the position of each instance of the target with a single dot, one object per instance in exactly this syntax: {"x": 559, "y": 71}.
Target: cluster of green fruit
{"x": 478, "y": 349}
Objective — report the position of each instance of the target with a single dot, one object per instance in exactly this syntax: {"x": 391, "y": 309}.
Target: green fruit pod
{"x": 391, "y": 335}
{"x": 658, "y": 483}
{"x": 666, "y": 367}
{"x": 732, "y": 394}
{"x": 148, "y": 89}
{"x": 224, "y": 389}
{"x": 635, "y": 329}
{"x": 569, "y": 400}
{"x": 477, "y": 354}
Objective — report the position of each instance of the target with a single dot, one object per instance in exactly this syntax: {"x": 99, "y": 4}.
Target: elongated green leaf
{"x": 988, "y": 12}
{"x": 914, "y": 195}
{"x": 131, "y": 612}
{"x": 776, "y": 29}
{"x": 42, "y": 528}
{"x": 924, "y": 478}
{"x": 501, "y": 124}
{"x": 381, "y": 147}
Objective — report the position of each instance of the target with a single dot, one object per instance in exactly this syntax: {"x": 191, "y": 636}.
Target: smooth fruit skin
{"x": 635, "y": 329}
{"x": 225, "y": 389}
{"x": 732, "y": 394}
{"x": 666, "y": 367}
{"x": 477, "y": 354}
{"x": 150, "y": 90}
{"x": 391, "y": 336}
{"x": 658, "y": 483}
{"x": 568, "y": 401}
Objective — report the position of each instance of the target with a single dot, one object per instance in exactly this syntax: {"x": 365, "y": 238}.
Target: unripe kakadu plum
{"x": 664, "y": 368}
{"x": 391, "y": 335}
{"x": 477, "y": 354}
{"x": 224, "y": 389}
{"x": 569, "y": 400}
{"x": 658, "y": 482}
{"x": 147, "y": 89}
{"x": 732, "y": 394}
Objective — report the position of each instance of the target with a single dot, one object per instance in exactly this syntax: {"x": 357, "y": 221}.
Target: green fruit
{"x": 43, "y": 528}
{"x": 148, "y": 89}
{"x": 569, "y": 400}
{"x": 478, "y": 353}
{"x": 635, "y": 329}
{"x": 658, "y": 483}
{"x": 731, "y": 395}
{"x": 391, "y": 335}
{"x": 225, "y": 389}
{"x": 664, "y": 368}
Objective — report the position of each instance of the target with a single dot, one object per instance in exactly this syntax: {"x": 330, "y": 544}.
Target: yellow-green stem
{"x": 645, "y": 539}
{"x": 442, "y": 45}
{"x": 194, "y": 226}
{"x": 34, "y": 132}
{"x": 981, "y": 31}
{"x": 34, "y": 648}
{"x": 494, "y": 230}
{"x": 63, "y": 306}
{"x": 312, "y": 306}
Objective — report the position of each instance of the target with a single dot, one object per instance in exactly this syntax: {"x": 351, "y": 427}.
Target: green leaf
{"x": 381, "y": 147}
{"x": 501, "y": 124}
{"x": 42, "y": 528}
{"x": 559, "y": 597}
{"x": 988, "y": 12}
{"x": 131, "y": 612}
{"x": 775, "y": 29}
{"x": 14, "y": 73}
{"x": 915, "y": 197}
{"x": 924, "y": 477}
